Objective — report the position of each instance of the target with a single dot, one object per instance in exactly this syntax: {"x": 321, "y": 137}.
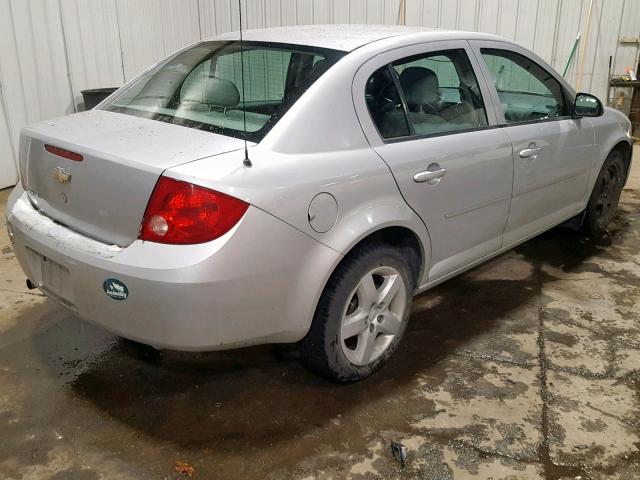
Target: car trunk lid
{"x": 104, "y": 195}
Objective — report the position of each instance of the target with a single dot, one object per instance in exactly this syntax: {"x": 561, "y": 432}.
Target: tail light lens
{"x": 181, "y": 213}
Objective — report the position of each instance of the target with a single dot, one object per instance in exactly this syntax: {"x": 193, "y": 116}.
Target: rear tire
{"x": 605, "y": 196}
{"x": 361, "y": 316}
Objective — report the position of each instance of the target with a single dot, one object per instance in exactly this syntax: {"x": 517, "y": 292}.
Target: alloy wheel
{"x": 373, "y": 315}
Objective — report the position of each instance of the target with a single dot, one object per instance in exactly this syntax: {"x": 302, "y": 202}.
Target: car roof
{"x": 346, "y": 37}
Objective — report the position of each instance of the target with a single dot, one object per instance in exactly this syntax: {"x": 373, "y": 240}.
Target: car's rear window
{"x": 202, "y": 87}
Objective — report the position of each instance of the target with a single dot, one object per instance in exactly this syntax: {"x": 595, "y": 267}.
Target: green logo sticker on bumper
{"x": 115, "y": 289}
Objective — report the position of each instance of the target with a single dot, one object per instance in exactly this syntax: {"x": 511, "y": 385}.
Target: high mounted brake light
{"x": 61, "y": 152}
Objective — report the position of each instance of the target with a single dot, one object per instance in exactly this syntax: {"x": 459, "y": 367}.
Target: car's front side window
{"x": 527, "y": 92}
{"x": 440, "y": 94}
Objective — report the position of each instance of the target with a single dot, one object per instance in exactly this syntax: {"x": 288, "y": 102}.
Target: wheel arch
{"x": 386, "y": 219}
{"x": 607, "y": 143}
{"x": 627, "y": 151}
{"x": 401, "y": 236}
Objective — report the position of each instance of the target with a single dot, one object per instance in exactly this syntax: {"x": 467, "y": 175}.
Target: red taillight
{"x": 61, "y": 152}
{"x": 182, "y": 213}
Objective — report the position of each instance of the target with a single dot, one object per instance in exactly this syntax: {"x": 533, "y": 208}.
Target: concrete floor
{"x": 526, "y": 367}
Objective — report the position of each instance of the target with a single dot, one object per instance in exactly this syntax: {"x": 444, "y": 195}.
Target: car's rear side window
{"x": 429, "y": 94}
{"x": 527, "y": 92}
{"x": 202, "y": 87}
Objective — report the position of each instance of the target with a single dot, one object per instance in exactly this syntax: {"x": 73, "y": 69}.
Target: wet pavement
{"x": 527, "y": 367}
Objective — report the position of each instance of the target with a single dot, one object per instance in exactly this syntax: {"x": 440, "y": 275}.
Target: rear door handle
{"x": 530, "y": 151}
{"x": 432, "y": 175}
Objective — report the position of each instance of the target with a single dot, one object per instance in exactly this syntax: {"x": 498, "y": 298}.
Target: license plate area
{"x": 51, "y": 277}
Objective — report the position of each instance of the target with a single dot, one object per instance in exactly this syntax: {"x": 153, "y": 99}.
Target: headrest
{"x": 220, "y": 92}
{"x": 412, "y": 75}
{"x": 420, "y": 85}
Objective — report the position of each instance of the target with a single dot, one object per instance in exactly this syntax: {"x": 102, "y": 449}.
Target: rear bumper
{"x": 259, "y": 283}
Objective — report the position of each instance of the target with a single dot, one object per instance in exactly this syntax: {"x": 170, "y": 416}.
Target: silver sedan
{"x": 304, "y": 185}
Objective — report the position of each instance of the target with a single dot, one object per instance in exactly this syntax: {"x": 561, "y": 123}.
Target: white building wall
{"x": 50, "y": 50}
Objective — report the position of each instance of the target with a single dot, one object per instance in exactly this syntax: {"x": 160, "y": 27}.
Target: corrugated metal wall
{"x": 50, "y": 50}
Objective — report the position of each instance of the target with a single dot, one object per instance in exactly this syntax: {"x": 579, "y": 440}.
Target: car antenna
{"x": 246, "y": 162}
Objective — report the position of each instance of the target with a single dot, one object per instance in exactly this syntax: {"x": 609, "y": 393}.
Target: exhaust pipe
{"x": 31, "y": 285}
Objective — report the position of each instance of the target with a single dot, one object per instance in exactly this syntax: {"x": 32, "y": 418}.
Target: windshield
{"x": 202, "y": 87}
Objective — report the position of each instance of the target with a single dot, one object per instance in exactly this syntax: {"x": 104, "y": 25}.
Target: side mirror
{"x": 586, "y": 105}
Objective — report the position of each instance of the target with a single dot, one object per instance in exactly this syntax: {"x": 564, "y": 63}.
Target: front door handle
{"x": 531, "y": 151}
{"x": 432, "y": 175}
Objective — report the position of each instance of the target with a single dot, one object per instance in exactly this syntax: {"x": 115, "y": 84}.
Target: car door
{"x": 552, "y": 151}
{"x": 430, "y": 118}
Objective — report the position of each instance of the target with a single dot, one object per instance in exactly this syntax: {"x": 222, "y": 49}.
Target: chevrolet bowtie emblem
{"x": 61, "y": 175}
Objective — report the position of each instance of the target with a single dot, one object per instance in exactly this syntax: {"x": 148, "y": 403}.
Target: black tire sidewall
{"x": 334, "y": 299}
{"x": 594, "y": 223}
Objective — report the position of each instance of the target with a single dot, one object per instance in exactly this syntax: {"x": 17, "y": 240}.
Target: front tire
{"x": 605, "y": 196}
{"x": 361, "y": 316}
